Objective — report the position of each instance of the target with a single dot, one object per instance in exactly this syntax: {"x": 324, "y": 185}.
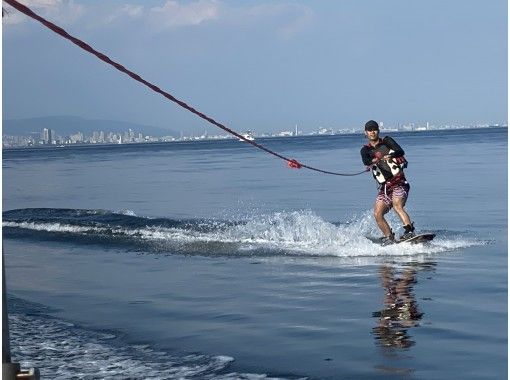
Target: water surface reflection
{"x": 400, "y": 313}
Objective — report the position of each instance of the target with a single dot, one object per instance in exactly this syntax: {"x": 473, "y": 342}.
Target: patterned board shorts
{"x": 386, "y": 195}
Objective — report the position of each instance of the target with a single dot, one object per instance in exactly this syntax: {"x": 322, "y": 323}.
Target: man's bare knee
{"x": 398, "y": 207}
{"x": 398, "y": 204}
{"x": 380, "y": 211}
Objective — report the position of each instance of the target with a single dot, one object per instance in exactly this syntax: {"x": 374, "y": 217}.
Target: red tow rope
{"x": 292, "y": 163}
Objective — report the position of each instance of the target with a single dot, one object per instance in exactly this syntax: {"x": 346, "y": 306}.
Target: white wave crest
{"x": 297, "y": 233}
{"x": 55, "y": 227}
{"x": 127, "y": 212}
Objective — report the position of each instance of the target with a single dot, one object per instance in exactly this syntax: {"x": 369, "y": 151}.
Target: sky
{"x": 263, "y": 66}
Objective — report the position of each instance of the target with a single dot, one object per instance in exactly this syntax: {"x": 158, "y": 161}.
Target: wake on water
{"x": 62, "y": 351}
{"x": 295, "y": 233}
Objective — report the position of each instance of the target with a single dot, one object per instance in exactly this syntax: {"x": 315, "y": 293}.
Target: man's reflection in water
{"x": 400, "y": 311}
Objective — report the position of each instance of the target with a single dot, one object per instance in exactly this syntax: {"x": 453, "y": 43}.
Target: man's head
{"x": 372, "y": 130}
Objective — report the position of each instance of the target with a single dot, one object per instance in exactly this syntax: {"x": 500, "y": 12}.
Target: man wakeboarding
{"x": 387, "y": 162}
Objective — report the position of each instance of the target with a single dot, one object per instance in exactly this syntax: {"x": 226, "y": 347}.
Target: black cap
{"x": 371, "y": 125}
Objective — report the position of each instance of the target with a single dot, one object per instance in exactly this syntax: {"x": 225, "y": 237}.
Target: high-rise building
{"x": 47, "y": 136}
{"x": 76, "y": 138}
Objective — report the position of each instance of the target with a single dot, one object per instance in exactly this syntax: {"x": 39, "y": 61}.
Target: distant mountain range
{"x": 68, "y": 125}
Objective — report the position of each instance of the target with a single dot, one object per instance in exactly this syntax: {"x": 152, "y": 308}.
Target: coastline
{"x": 187, "y": 140}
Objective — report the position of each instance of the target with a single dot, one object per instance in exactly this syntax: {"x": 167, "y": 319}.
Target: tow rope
{"x": 292, "y": 163}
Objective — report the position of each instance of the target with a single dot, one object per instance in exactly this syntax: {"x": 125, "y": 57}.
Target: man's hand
{"x": 378, "y": 156}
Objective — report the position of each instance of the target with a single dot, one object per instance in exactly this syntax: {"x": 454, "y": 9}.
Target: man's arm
{"x": 392, "y": 144}
{"x": 366, "y": 157}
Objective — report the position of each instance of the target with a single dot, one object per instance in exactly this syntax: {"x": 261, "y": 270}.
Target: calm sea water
{"x": 213, "y": 260}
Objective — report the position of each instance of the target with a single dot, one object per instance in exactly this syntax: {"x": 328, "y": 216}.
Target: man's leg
{"x": 380, "y": 209}
{"x": 398, "y": 206}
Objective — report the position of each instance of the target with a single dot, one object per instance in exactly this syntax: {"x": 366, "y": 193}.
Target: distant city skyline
{"x": 49, "y": 137}
{"x": 263, "y": 66}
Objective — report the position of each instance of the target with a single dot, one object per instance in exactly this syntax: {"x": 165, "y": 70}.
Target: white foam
{"x": 126, "y": 212}
{"x": 55, "y": 227}
{"x": 295, "y": 233}
{"x": 62, "y": 352}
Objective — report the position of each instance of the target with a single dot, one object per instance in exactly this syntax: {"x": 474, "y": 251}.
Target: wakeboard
{"x": 421, "y": 238}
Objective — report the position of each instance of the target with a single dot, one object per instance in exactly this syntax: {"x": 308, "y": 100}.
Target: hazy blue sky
{"x": 263, "y": 65}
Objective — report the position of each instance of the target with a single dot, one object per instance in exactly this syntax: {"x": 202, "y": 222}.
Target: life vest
{"x": 387, "y": 169}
